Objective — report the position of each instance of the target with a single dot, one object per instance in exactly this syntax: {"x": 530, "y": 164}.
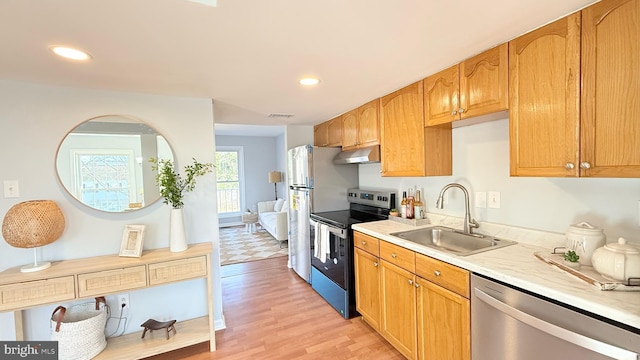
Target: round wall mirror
{"x": 104, "y": 163}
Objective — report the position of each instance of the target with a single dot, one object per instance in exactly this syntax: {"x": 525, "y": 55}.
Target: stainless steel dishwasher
{"x": 510, "y": 324}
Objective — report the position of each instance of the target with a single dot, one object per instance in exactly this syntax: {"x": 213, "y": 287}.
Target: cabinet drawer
{"x": 398, "y": 255}
{"x": 24, "y": 294}
{"x": 177, "y": 270}
{"x": 446, "y": 275}
{"x": 366, "y": 243}
{"x": 111, "y": 281}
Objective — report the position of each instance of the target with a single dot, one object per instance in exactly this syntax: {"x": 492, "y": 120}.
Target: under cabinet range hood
{"x": 360, "y": 156}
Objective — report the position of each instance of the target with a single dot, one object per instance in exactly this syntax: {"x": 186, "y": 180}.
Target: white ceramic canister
{"x": 617, "y": 261}
{"x": 584, "y": 239}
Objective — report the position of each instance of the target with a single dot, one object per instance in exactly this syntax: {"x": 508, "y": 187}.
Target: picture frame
{"x": 132, "y": 239}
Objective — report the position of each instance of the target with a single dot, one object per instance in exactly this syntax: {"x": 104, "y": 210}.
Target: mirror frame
{"x": 144, "y": 162}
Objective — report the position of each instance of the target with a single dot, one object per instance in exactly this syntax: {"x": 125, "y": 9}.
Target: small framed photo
{"x": 132, "y": 239}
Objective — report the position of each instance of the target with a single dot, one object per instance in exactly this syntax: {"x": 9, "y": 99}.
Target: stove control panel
{"x": 385, "y": 199}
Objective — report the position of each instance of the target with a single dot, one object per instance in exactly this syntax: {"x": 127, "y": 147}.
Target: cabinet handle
{"x": 461, "y": 110}
{"x": 394, "y": 256}
{"x": 364, "y": 243}
{"x": 436, "y": 273}
{"x": 416, "y": 285}
{"x": 410, "y": 282}
{"x": 585, "y": 165}
{"x": 454, "y": 112}
{"x": 569, "y": 166}
{"x": 375, "y": 264}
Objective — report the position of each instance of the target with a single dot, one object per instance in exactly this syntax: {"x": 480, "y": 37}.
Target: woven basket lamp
{"x": 32, "y": 224}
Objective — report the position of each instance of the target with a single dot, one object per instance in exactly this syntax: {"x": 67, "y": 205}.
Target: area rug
{"x": 237, "y": 246}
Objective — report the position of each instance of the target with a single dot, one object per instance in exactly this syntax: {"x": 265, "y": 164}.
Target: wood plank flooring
{"x": 272, "y": 314}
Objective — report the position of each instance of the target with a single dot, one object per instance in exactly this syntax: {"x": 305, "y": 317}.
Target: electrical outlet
{"x": 494, "y": 199}
{"x": 481, "y": 199}
{"x": 123, "y": 304}
{"x": 11, "y": 189}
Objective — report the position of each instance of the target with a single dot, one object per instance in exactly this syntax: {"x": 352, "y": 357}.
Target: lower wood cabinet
{"x": 424, "y": 313}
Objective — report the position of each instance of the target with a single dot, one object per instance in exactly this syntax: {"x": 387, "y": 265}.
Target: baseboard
{"x": 233, "y": 224}
{"x": 220, "y": 324}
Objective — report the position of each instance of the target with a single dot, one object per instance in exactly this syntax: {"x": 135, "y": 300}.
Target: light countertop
{"x": 517, "y": 265}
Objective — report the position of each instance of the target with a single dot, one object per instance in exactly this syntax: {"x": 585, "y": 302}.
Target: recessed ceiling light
{"x": 309, "y": 81}
{"x": 70, "y": 53}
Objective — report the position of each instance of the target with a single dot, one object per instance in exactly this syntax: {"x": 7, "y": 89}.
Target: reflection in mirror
{"x": 104, "y": 163}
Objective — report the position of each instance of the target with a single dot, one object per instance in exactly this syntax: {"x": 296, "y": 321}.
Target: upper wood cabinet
{"x": 407, "y": 147}
{"x": 544, "y": 85}
{"x": 476, "y": 86}
{"x": 329, "y": 133}
{"x": 610, "y": 116}
{"x": 361, "y": 126}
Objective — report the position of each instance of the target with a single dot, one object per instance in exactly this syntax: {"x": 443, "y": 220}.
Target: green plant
{"x": 571, "y": 256}
{"x": 172, "y": 185}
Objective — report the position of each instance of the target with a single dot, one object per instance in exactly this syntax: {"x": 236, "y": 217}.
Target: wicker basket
{"x": 79, "y": 330}
{"x": 33, "y": 223}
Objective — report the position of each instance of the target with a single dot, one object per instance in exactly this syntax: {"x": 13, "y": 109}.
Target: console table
{"x": 111, "y": 274}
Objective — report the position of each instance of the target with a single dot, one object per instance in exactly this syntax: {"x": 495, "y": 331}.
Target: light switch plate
{"x": 494, "y": 199}
{"x": 11, "y": 189}
{"x": 481, "y": 199}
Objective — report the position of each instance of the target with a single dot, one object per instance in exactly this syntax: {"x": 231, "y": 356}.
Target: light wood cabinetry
{"x": 422, "y": 303}
{"x": 407, "y": 147}
{"x": 476, "y": 86}
{"x": 610, "y": 116}
{"x": 89, "y": 277}
{"x": 361, "y": 126}
{"x": 544, "y": 85}
{"x": 328, "y": 133}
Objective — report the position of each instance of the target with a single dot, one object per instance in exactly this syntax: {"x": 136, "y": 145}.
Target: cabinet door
{"x": 334, "y": 132}
{"x": 367, "y": 287}
{"x": 350, "y": 130}
{"x": 441, "y": 97}
{"x": 402, "y": 135}
{"x": 398, "y": 323}
{"x": 320, "y": 135}
{"x": 610, "y": 126}
{"x": 484, "y": 83}
{"x": 369, "y": 124}
{"x": 544, "y": 85}
{"x": 443, "y": 323}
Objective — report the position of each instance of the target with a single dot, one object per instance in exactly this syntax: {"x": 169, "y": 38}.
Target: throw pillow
{"x": 285, "y": 206}
{"x": 278, "y": 205}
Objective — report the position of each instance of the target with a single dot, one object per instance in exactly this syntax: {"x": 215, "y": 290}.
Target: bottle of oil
{"x": 403, "y": 205}
{"x": 410, "y": 204}
{"x": 418, "y": 208}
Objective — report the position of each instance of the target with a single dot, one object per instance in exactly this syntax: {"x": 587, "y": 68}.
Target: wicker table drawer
{"x": 31, "y": 293}
{"x": 111, "y": 281}
{"x": 177, "y": 270}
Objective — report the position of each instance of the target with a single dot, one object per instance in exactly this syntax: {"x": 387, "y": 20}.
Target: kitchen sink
{"x": 452, "y": 241}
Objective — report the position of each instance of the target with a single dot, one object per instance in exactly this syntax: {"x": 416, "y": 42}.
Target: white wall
{"x": 481, "y": 163}
{"x": 33, "y": 120}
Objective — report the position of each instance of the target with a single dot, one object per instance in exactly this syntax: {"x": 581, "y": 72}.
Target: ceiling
{"x": 248, "y": 55}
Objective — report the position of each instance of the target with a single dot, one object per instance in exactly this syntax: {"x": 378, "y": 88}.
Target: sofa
{"x": 272, "y": 216}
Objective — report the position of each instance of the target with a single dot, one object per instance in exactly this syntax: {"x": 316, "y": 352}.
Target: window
{"x": 229, "y": 169}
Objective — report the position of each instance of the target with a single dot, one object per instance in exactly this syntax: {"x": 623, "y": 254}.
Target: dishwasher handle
{"x": 556, "y": 331}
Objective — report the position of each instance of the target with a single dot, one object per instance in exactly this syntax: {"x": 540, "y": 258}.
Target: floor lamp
{"x": 274, "y": 178}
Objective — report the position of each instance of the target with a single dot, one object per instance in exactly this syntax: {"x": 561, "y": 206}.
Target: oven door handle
{"x": 341, "y": 233}
{"x": 556, "y": 331}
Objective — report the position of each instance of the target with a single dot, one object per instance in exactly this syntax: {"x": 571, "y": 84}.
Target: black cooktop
{"x": 356, "y": 214}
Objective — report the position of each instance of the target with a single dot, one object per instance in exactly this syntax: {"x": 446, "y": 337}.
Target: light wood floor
{"x": 271, "y": 313}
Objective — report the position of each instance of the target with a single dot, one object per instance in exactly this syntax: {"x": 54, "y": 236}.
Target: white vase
{"x": 177, "y": 238}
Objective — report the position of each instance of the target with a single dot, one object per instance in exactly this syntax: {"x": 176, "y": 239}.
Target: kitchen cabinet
{"x": 476, "y": 86}
{"x": 544, "y": 93}
{"x": 361, "y": 126}
{"x": 407, "y": 147}
{"x": 328, "y": 133}
{"x": 422, "y": 303}
{"x": 367, "y": 277}
{"x": 609, "y": 128}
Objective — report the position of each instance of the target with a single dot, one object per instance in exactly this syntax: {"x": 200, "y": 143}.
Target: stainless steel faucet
{"x": 469, "y": 223}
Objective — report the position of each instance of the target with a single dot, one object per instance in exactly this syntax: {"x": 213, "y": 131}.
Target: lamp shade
{"x": 275, "y": 177}
{"x": 33, "y": 223}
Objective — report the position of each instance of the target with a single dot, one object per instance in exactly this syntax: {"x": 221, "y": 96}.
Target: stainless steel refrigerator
{"x": 316, "y": 184}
